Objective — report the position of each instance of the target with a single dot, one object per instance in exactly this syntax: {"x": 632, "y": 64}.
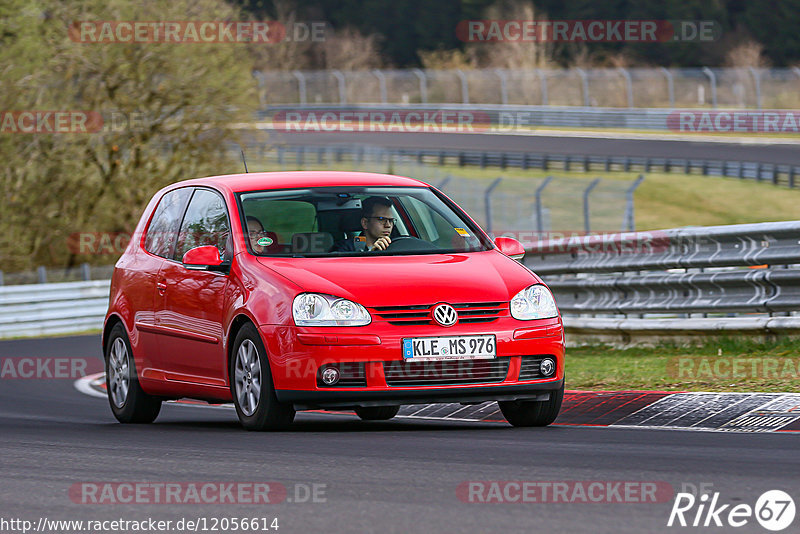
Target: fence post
{"x": 1, "y": 278}
{"x": 629, "y": 221}
{"x": 382, "y": 83}
{"x": 262, "y": 92}
{"x": 423, "y": 85}
{"x": 543, "y": 77}
{"x": 586, "y": 193}
{"x": 41, "y": 274}
{"x": 301, "y": 86}
{"x": 464, "y": 86}
{"x": 757, "y": 79}
{"x": 86, "y": 272}
{"x": 628, "y": 85}
{"x": 503, "y": 86}
{"x": 713, "y": 78}
{"x": 585, "y": 84}
{"x": 539, "y": 217}
{"x": 670, "y": 86}
{"x": 488, "y": 200}
{"x": 342, "y": 86}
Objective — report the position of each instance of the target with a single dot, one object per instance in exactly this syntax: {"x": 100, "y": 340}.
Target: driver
{"x": 377, "y": 222}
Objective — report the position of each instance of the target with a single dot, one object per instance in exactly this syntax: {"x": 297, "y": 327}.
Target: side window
{"x": 205, "y": 223}
{"x": 163, "y": 227}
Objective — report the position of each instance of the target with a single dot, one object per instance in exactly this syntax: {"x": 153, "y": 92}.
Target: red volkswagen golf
{"x": 326, "y": 290}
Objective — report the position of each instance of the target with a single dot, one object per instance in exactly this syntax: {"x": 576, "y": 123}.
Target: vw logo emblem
{"x": 445, "y": 315}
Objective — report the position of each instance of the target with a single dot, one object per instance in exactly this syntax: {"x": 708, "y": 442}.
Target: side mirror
{"x": 205, "y": 258}
{"x": 510, "y": 247}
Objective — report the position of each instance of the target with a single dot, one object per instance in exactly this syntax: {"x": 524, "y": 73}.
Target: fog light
{"x": 547, "y": 367}
{"x": 330, "y": 375}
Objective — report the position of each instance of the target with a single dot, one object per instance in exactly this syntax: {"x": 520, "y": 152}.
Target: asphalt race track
{"x": 782, "y": 154}
{"x": 400, "y": 476}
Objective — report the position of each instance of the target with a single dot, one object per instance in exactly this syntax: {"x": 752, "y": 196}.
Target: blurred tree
{"x": 168, "y": 110}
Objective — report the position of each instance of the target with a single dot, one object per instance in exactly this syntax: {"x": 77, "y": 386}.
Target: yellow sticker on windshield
{"x": 461, "y": 232}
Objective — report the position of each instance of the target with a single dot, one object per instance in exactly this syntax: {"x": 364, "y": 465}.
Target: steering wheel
{"x": 406, "y": 243}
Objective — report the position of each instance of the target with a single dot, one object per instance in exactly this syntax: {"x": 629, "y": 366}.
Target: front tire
{"x": 129, "y": 403}
{"x": 251, "y": 385}
{"x": 377, "y": 413}
{"x": 533, "y": 413}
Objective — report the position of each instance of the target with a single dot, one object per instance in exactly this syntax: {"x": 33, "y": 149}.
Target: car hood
{"x": 409, "y": 280}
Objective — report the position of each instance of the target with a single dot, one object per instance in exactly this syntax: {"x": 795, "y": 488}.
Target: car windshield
{"x": 356, "y": 221}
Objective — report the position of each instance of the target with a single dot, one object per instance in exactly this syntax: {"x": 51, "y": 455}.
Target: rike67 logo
{"x": 774, "y": 510}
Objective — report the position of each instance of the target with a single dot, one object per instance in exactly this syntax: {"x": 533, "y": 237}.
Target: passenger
{"x": 377, "y": 223}
{"x": 255, "y": 231}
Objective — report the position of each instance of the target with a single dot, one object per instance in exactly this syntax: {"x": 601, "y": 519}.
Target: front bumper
{"x": 297, "y": 353}
{"x": 332, "y": 398}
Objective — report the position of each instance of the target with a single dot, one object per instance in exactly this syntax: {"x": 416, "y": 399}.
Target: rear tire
{"x": 377, "y": 413}
{"x": 129, "y": 403}
{"x": 533, "y": 413}
{"x": 251, "y": 385}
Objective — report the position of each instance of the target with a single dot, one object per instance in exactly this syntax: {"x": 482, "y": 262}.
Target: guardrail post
{"x": 41, "y": 274}
{"x": 1, "y": 278}
{"x": 423, "y": 85}
{"x": 586, "y": 193}
{"x": 791, "y": 185}
{"x": 585, "y": 85}
{"x": 342, "y": 86}
{"x": 503, "y": 86}
{"x": 628, "y": 85}
{"x": 464, "y": 86}
{"x": 757, "y": 80}
{"x": 713, "y": 78}
{"x": 382, "y": 84}
{"x": 86, "y": 272}
{"x": 301, "y": 86}
{"x": 444, "y": 182}
{"x": 539, "y": 211}
{"x": 488, "y": 200}
{"x": 670, "y": 87}
{"x": 629, "y": 222}
{"x": 543, "y": 77}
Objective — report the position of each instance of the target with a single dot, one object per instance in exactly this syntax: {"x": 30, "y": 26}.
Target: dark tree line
{"x": 409, "y": 26}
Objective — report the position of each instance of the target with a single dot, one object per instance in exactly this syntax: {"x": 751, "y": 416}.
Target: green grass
{"x": 730, "y": 365}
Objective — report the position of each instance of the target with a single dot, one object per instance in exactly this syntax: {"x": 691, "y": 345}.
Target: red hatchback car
{"x": 326, "y": 290}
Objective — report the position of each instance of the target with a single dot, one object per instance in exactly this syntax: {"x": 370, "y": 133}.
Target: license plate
{"x": 450, "y": 348}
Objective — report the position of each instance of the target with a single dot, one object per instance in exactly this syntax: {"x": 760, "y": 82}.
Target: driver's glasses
{"x": 385, "y": 220}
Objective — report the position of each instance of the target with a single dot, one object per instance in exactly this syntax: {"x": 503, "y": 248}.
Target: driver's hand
{"x": 382, "y": 243}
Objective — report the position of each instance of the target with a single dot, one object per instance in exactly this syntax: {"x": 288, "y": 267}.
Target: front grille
{"x": 470, "y": 312}
{"x": 351, "y": 374}
{"x": 529, "y": 368}
{"x": 445, "y": 372}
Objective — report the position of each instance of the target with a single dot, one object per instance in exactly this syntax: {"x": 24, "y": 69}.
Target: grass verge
{"x": 729, "y": 365}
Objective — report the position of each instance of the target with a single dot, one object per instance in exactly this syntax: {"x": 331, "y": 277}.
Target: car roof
{"x": 255, "y": 181}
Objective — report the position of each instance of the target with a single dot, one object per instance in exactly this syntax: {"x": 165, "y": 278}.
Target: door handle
{"x": 162, "y": 287}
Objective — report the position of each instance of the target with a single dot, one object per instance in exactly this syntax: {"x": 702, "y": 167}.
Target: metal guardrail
{"x": 299, "y": 155}
{"x": 46, "y": 309}
{"x": 679, "y": 272}
{"x": 503, "y": 118}
{"x": 707, "y": 270}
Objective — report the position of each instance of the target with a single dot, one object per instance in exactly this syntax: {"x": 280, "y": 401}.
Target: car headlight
{"x": 315, "y": 309}
{"x": 533, "y": 302}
